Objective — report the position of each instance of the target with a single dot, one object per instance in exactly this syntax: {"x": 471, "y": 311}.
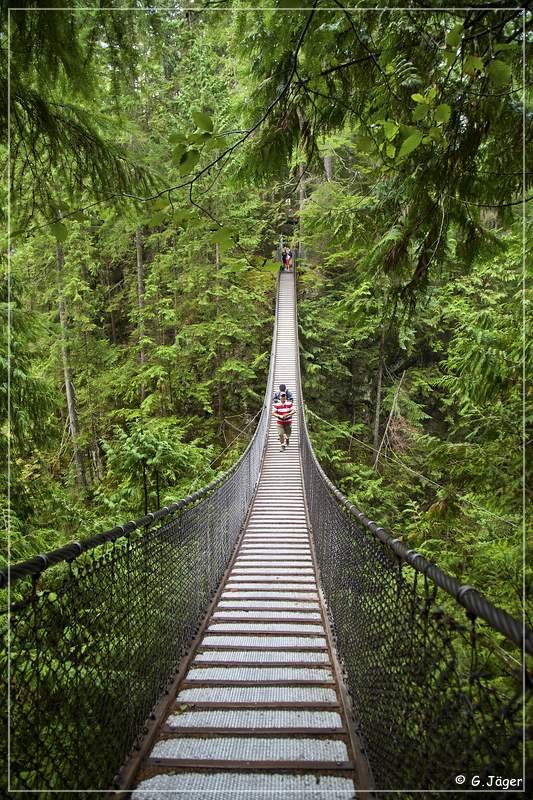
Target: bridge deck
{"x": 260, "y": 713}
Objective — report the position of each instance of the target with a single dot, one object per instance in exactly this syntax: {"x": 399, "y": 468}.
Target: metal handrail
{"x": 467, "y": 596}
{"x": 435, "y": 694}
{"x": 93, "y": 648}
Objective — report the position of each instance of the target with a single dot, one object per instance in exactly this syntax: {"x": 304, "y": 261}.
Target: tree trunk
{"x": 378, "y": 397}
{"x": 328, "y": 167}
{"x": 301, "y": 186}
{"x": 393, "y": 406}
{"x": 67, "y": 373}
{"x": 95, "y": 472}
{"x": 145, "y": 489}
{"x": 109, "y": 302}
{"x": 354, "y": 384}
{"x": 301, "y": 191}
{"x": 377, "y": 411}
{"x": 219, "y": 356}
{"x": 140, "y": 301}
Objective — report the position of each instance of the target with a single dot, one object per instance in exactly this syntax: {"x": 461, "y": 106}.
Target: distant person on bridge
{"x": 283, "y": 410}
{"x": 287, "y": 259}
{"x": 283, "y": 388}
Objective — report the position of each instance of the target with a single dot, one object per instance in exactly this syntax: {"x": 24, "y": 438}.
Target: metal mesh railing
{"x": 435, "y": 694}
{"x": 438, "y": 694}
{"x": 95, "y": 639}
{"x": 438, "y": 676}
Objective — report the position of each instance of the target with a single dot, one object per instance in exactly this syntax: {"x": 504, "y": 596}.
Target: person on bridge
{"x": 283, "y": 388}
{"x": 288, "y": 259}
{"x": 283, "y": 410}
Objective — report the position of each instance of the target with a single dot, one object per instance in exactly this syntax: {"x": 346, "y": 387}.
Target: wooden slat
{"x": 170, "y": 732}
{"x": 203, "y": 683}
{"x": 274, "y": 664}
{"x": 300, "y": 648}
{"x": 291, "y": 705}
{"x": 270, "y": 766}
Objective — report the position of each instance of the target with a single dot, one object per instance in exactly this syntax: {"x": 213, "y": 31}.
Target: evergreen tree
{"x": 157, "y": 156}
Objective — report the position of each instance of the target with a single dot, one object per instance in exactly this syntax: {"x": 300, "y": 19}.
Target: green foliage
{"x": 155, "y": 159}
{"x": 449, "y": 477}
{"x": 153, "y": 449}
{"x": 428, "y": 101}
{"x": 162, "y": 388}
{"x": 408, "y": 275}
{"x": 65, "y": 63}
{"x": 203, "y": 121}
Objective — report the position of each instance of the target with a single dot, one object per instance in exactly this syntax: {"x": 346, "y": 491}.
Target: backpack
{"x": 290, "y": 398}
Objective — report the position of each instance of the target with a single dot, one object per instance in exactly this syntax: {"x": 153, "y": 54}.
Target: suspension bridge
{"x": 261, "y": 638}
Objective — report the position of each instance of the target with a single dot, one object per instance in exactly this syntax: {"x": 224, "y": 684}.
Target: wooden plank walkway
{"x": 259, "y": 714}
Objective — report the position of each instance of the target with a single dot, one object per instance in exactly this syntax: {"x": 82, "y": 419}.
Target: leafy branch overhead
{"x": 62, "y": 146}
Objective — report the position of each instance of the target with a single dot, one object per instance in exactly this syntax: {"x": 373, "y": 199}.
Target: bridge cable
{"x": 202, "y": 474}
{"x": 395, "y": 459}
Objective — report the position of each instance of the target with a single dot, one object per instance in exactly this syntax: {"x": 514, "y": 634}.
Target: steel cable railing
{"x": 97, "y": 628}
{"x": 436, "y": 673}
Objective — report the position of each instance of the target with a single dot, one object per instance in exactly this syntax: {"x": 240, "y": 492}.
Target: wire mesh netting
{"x": 436, "y": 692}
{"x": 98, "y": 628}
{"x": 95, "y": 640}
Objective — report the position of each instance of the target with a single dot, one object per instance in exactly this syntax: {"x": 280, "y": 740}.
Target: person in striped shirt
{"x": 283, "y": 410}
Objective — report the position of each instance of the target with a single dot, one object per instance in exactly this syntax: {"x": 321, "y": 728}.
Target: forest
{"x": 155, "y": 158}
